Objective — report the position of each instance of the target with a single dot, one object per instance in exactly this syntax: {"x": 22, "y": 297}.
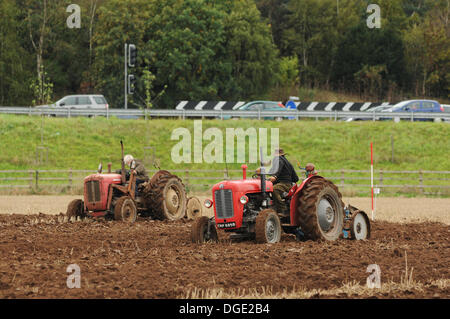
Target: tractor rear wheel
{"x": 268, "y": 227}
{"x": 125, "y": 210}
{"x": 321, "y": 210}
{"x": 200, "y": 233}
{"x": 165, "y": 196}
{"x": 76, "y": 209}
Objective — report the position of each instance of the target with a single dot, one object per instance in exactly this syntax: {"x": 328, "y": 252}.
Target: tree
{"x": 196, "y": 49}
{"x": 427, "y": 49}
{"x": 370, "y": 51}
{"x": 250, "y": 51}
{"x": 15, "y": 61}
{"x": 276, "y": 13}
{"x": 313, "y": 31}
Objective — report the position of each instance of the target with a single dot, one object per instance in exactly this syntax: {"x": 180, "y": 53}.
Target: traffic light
{"x": 131, "y": 84}
{"x": 132, "y": 55}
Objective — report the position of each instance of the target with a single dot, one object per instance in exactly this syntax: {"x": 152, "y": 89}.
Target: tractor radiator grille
{"x": 93, "y": 191}
{"x": 224, "y": 203}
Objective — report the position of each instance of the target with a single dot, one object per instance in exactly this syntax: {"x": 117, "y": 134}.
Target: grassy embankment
{"x": 81, "y": 143}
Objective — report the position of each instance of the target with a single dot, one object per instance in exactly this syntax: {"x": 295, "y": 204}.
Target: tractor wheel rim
{"x": 360, "y": 227}
{"x": 326, "y": 215}
{"x": 271, "y": 230}
{"x": 128, "y": 212}
{"x": 205, "y": 233}
{"x": 172, "y": 200}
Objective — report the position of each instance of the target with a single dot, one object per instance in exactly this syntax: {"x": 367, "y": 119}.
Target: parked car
{"x": 83, "y": 102}
{"x": 446, "y": 110}
{"x": 376, "y": 109}
{"x": 261, "y": 106}
{"x": 417, "y": 106}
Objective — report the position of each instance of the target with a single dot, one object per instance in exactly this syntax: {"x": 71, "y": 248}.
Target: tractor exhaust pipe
{"x": 263, "y": 182}
{"x": 123, "y": 166}
{"x": 263, "y": 174}
{"x": 244, "y": 171}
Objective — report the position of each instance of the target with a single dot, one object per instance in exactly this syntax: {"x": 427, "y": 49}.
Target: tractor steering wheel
{"x": 254, "y": 176}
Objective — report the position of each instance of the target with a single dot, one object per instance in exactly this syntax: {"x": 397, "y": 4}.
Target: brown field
{"x": 154, "y": 259}
{"x": 395, "y": 209}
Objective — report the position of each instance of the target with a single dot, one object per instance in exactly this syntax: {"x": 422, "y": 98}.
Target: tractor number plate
{"x": 226, "y": 225}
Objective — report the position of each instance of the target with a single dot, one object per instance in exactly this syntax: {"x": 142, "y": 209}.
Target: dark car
{"x": 417, "y": 106}
{"x": 261, "y": 106}
{"x": 376, "y": 110}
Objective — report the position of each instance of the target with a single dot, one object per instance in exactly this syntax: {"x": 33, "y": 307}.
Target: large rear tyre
{"x": 125, "y": 210}
{"x": 165, "y": 196}
{"x": 76, "y": 209}
{"x": 268, "y": 227}
{"x": 321, "y": 210}
{"x": 203, "y": 231}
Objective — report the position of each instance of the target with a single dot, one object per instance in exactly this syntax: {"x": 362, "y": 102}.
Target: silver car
{"x": 83, "y": 102}
{"x": 78, "y": 102}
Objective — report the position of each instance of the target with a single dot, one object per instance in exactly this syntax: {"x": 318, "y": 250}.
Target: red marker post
{"x": 371, "y": 172}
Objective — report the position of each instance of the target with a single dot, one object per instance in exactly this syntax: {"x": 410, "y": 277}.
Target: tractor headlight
{"x": 208, "y": 203}
{"x": 243, "y": 200}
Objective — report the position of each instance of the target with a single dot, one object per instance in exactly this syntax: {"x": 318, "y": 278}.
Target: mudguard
{"x": 296, "y": 191}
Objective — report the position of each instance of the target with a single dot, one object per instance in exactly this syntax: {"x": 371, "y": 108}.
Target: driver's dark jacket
{"x": 141, "y": 173}
{"x": 283, "y": 170}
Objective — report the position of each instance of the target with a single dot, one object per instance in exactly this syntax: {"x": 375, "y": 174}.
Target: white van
{"x": 83, "y": 102}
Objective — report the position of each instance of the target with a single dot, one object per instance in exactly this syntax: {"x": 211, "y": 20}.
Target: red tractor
{"x": 245, "y": 209}
{"x": 112, "y": 195}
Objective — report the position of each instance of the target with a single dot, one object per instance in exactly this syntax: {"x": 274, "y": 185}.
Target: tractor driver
{"x": 283, "y": 177}
{"x": 141, "y": 173}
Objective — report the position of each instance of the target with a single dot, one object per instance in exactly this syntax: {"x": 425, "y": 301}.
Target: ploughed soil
{"x": 156, "y": 259}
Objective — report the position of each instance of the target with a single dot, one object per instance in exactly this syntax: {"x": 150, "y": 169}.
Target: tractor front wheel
{"x": 76, "y": 209}
{"x": 125, "y": 210}
{"x": 360, "y": 227}
{"x": 268, "y": 227}
{"x": 194, "y": 208}
{"x": 203, "y": 230}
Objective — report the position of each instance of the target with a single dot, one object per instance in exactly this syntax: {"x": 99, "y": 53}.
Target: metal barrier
{"x": 222, "y": 114}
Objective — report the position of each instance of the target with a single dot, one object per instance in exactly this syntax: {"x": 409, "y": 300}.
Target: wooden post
{"x": 421, "y": 181}
{"x": 187, "y": 178}
{"x": 381, "y": 177}
{"x": 36, "y": 184}
{"x": 342, "y": 177}
{"x": 31, "y": 179}
{"x": 70, "y": 178}
{"x": 392, "y": 148}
